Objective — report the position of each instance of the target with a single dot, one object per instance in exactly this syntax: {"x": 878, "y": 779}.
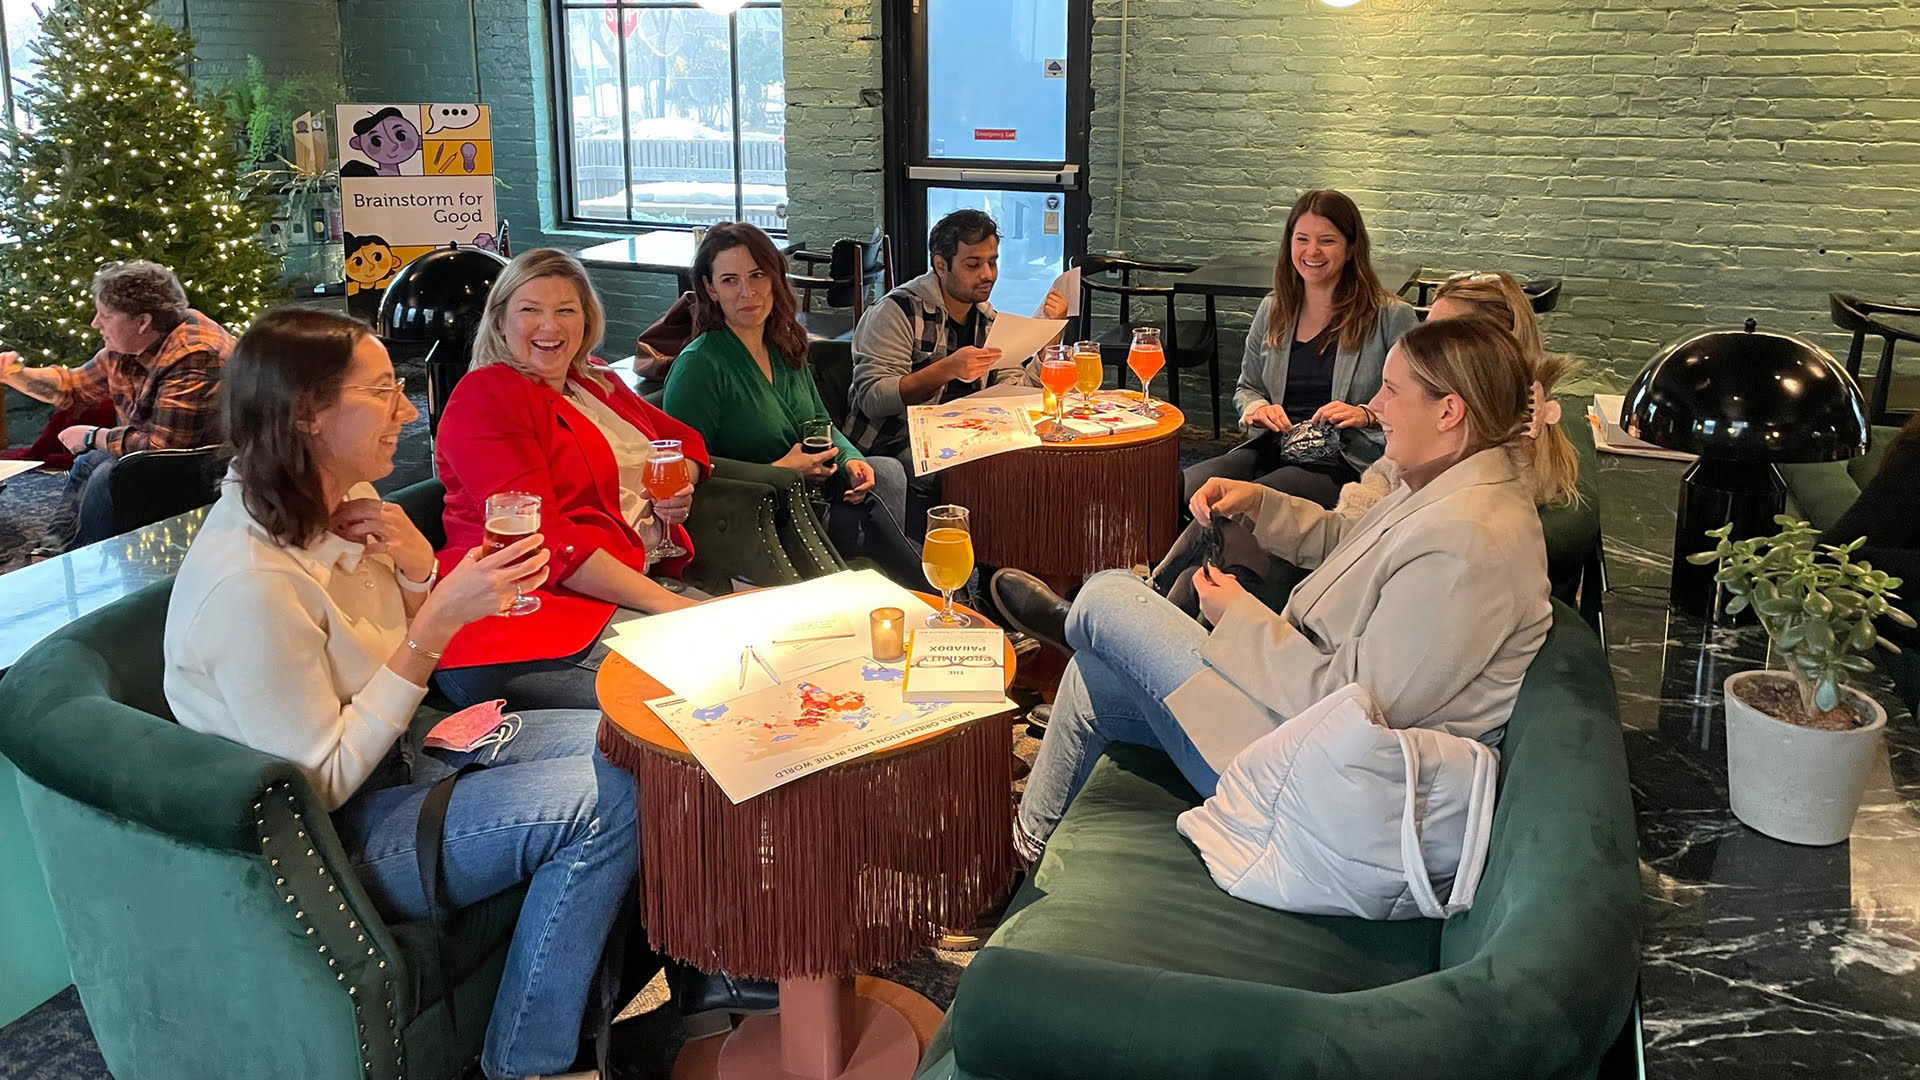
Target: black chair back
{"x": 1197, "y": 342}
{"x": 832, "y": 364}
{"x": 1857, "y": 317}
{"x": 153, "y": 485}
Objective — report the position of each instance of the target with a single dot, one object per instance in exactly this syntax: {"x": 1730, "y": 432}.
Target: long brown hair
{"x": 288, "y": 366}
{"x": 1480, "y": 362}
{"x": 783, "y": 330}
{"x": 490, "y": 344}
{"x": 1357, "y": 296}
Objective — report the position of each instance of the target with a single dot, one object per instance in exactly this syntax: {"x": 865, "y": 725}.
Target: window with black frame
{"x": 671, "y": 113}
{"x": 20, "y": 23}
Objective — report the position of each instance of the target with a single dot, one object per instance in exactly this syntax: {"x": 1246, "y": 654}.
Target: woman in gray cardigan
{"x": 1314, "y": 352}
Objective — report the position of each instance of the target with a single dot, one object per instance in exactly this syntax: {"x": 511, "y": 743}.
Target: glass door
{"x": 988, "y": 108}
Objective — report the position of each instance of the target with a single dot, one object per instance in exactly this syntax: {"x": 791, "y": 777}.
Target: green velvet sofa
{"x": 1820, "y": 493}
{"x": 1120, "y": 958}
{"x": 212, "y": 921}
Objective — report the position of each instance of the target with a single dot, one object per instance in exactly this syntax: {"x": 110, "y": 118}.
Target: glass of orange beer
{"x": 947, "y": 557}
{"x": 664, "y": 476}
{"x": 1058, "y": 374}
{"x": 1146, "y": 358}
{"x": 512, "y": 516}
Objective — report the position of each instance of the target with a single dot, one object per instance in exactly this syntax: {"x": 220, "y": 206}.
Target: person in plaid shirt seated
{"x": 161, "y": 369}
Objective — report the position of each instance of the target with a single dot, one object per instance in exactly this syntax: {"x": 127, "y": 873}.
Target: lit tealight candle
{"x": 888, "y": 624}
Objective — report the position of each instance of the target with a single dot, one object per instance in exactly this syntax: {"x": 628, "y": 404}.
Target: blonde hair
{"x": 1497, "y": 297}
{"x": 1479, "y": 362}
{"x": 490, "y": 344}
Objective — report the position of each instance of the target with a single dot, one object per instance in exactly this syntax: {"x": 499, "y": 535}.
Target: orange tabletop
{"x": 839, "y": 872}
{"x": 1066, "y": 510}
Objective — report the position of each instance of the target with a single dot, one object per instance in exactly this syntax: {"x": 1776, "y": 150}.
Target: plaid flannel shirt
{"x": 166, "y": 397}
{"x": 904, "y": 332}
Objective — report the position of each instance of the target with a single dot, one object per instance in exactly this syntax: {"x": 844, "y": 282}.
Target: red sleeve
{"x": 493, "y": 437}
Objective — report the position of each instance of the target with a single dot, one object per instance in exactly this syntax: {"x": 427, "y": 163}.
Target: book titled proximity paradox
{"x": 956, "y": 665}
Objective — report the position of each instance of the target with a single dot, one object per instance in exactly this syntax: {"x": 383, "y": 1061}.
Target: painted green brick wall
{"x": 1680, "y": 164}
{"x": 291, "y": 37}
{"x": 835, "y": 151}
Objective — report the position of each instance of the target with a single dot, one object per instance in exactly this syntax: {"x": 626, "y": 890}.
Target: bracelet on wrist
{"x": 416, "y": 587}
{"x": 423, "y": 650}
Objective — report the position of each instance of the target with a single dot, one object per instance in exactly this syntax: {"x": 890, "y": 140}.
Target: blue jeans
{"x": 85, "y": 514}
{"x": 547, "y": 810}
{"x": 1131, "y": 649}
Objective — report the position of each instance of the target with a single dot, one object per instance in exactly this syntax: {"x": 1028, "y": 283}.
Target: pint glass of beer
{"x": 512, "y": 516}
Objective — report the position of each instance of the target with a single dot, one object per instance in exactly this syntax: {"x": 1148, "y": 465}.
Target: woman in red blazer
{"x": 538, "y": 414}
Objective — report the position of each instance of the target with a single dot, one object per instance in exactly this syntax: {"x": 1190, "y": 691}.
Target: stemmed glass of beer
{"x": 1146, "y": 358}
{"x": 1057, "y": 373}
{"x": 947, "y": 557}
{"x": 664, "y": 476}
{"x": 512, "y": 516}
{"x": 1091, "y": 368}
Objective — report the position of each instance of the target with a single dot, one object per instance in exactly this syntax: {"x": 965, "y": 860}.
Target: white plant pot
{"x": 1794, "y": 783}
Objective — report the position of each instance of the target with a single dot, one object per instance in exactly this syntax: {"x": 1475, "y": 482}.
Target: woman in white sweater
{"x": 305, "y": 623}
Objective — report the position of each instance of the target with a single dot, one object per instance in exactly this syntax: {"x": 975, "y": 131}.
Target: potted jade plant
{"x": 1799, "y": 739}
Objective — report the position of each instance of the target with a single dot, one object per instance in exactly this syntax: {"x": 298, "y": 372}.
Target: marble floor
{"x": 1760, "y": 958}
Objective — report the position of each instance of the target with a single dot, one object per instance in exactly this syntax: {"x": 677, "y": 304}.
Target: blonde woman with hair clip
{"x": 1435, "y": 600}
{"x": 1493, "y": 296}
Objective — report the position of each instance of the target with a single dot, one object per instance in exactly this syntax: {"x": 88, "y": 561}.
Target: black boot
{"x": 707, "y": 1002}
{"x": 1031, "y": 607}
{"x": 1037, "y": 718}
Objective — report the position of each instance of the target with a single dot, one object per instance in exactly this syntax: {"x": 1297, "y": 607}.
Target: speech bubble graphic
{"x": 451, "y": 117}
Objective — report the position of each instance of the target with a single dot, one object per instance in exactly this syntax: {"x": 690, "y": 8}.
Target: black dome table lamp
{"x": 1744, "y": 400}
{"x": 438, "y": 300}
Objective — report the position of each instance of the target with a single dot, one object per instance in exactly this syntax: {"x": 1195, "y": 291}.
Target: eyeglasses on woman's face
{"x": 397, "y": 388}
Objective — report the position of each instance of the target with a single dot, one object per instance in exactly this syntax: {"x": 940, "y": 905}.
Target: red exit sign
{"x": 993, "y": 134}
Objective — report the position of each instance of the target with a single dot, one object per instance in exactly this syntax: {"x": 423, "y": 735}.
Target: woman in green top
{"x": 743, "y": 384}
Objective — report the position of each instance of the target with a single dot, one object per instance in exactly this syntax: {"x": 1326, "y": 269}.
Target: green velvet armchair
{"x": 212, "y": 920}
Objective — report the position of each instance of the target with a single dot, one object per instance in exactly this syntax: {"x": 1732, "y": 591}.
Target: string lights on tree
{"x": 118, "y": 160}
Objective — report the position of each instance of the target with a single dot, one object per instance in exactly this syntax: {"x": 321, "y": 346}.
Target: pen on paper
{"x": 764, "y": 666}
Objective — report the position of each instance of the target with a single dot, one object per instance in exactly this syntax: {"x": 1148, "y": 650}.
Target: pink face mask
{"x": 475, "y": 727}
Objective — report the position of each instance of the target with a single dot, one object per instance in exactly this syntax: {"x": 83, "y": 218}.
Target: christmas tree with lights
{"x": 118, "y": 160}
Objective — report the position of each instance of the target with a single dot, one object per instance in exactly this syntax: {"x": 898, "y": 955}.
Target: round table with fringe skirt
{"x": 815, "y": 882}
{"x": 1115, "y": 499}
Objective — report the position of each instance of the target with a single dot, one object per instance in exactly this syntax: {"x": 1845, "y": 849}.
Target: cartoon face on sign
{"x": 371, "y": 264}
{"x": 387, "y": 138}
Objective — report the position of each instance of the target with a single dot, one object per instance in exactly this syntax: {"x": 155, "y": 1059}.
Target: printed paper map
{"x": 943, "y": 436}
{"x": 770, "y": 737}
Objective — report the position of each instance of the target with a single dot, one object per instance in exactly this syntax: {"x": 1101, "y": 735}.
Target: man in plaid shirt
{"x": 161, "y": 369}
{"x": 925, "y": 343}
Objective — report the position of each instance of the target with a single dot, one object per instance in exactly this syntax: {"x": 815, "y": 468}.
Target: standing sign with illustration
{"x": 412, "y": 178}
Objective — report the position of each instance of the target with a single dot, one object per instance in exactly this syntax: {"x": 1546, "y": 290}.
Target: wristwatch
{"x": 92, "y": 434}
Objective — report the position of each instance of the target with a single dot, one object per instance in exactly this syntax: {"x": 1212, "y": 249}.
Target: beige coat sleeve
{"x": 1438, "y": 623}
{"x": 1295, "y": 529}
